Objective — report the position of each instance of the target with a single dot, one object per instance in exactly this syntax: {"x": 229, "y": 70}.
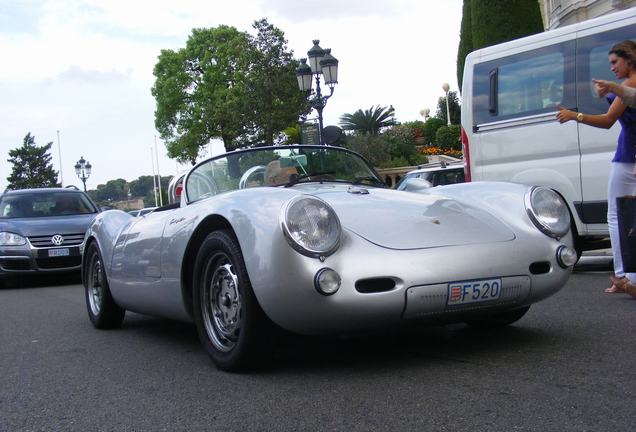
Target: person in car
{"x": 277, "y": 175}
{"x": 622, "y": 178}
{"x": 66, "y": 205}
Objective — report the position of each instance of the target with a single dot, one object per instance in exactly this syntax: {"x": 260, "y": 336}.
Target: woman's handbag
{"x": 626, "y": 213}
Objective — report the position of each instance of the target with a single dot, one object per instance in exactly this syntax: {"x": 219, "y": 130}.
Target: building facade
{"x": 559, "y": 13}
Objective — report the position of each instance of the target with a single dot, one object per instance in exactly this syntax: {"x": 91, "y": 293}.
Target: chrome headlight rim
{"x": 19, "y": 240}
{"x": 301, "y": 248}
{"x": 536, "y": 219}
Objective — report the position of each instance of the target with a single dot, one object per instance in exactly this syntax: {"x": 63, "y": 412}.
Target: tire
{"x": 102, "y": 309}
{"x": 501, "y": 319}
{"x": 229, "y": 320}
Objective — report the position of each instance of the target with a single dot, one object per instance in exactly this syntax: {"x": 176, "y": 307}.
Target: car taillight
{"x": 466, "y": 152}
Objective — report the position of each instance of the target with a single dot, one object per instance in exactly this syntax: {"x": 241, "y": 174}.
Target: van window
{"x": 528, "y": 83}
{"x": 593, "y": 63}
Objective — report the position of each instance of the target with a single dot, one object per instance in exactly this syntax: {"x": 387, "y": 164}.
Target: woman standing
{"x": 622, "y": 178}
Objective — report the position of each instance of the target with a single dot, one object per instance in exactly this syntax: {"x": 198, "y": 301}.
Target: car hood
{"x": 403, "y": 220}
{"x": 29, "y": 227}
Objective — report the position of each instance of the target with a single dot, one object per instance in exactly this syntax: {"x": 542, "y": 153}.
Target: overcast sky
{"x": 84, "y": 67}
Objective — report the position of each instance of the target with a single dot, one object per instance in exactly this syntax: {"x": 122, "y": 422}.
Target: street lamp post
{"x": 83, "y": 170}
{"x": 424, "y": 112}
{"x": 321, "y": 62}
{"x": 446, "y": 88}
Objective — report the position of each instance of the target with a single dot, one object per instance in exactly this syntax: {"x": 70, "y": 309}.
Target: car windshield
{"x": 278, "y": 166}
{"x": 44, "y": 204}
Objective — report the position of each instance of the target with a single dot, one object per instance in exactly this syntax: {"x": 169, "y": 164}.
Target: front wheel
{"x": 228, "y": 318}
{"x": 500, "y": 319}
{"x": 103, "y": 312}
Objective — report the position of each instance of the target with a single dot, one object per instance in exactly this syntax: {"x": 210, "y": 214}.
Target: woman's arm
{"x": 625, "y": 92}
{"x": 604, "y": 121}
{"x": 604, "y": 87}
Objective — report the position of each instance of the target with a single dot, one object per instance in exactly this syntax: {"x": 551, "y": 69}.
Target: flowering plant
{"x": 432, "y": 150}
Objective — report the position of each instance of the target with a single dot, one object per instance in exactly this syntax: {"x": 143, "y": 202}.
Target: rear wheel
{"x": 102, "y": 309}
{"x": 229, "y": 321}
{"x": 500, "y": 319}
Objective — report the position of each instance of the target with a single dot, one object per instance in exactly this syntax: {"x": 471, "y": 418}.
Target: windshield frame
{"x": 300, "y": 148}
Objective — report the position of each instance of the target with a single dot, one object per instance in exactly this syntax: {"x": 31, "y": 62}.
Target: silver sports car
{"x": 308, "y": 239}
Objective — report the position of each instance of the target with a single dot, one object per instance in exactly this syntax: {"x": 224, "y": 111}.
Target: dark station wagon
{"x": 42, "y": 230}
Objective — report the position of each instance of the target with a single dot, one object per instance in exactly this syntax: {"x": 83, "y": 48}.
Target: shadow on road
{"x": 289, "y": 353}
{"x": 40, "y": 280}
{"x": 456, "y": 343}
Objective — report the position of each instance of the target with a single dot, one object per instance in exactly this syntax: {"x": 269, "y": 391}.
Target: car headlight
{"x": 11, "y": 239}
{"x": 548, "y": 211}
{"x": 311, "y": 226}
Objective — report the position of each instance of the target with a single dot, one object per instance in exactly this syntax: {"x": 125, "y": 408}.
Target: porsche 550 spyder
{"x": 310, "y": 240}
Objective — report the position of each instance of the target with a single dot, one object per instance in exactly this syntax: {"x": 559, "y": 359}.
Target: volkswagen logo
{"x": 57, "y": 240}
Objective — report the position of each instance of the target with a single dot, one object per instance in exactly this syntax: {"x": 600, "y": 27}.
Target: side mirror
{"x": 415, "y": 185}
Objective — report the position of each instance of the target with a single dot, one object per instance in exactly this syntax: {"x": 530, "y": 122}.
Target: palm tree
{"x": 369, "y": 121}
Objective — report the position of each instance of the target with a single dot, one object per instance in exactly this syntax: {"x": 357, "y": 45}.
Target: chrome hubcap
{"x": 95, "y": 285}
{"x": 221, "y": 303}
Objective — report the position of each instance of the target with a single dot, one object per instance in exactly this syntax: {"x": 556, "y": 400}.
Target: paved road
{"x": 567, "y": 366}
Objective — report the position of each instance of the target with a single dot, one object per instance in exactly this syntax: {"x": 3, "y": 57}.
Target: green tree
{"x": 489, "y": 22}
{"x": 292, "y": 134}
{"x": 449, "y": 137}
{"x": 454, "y": 108}
{"x": 149, "y": 194}
{"x": 32, "y": 166}
{"x": 200, "y": 91}
{"x": 417, "y": 130}
{"x": 430, "y": 128}
{"x": 401, "y": 139}
{"x": 273, "y": 100}
{"x": 369, "y": 122}
{"x": 374, "y": 148}
{"x": 465, "y": 41}
{"x": 141, "y": 187}
{"x": 119, "y": 190}
{"x": 113, "y": 190}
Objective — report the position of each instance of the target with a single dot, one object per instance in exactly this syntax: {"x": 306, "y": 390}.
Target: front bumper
{"x": 528, "y": 269}
{"x": 30, "y": 260}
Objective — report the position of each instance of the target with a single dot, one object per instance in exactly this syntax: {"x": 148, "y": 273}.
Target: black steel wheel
{"x": 229, "y": 321}
{"x": 103, "y": 312}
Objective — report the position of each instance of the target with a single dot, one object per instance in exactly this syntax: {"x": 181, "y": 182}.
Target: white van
{"x": 510, "y": 95}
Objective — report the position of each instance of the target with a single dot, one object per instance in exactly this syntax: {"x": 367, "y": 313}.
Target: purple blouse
{"x": 626, "y": 149}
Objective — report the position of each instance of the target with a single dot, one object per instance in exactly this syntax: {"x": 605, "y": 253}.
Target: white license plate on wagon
{"x": 473, "y": 291}
{"x": 59, "y": 252}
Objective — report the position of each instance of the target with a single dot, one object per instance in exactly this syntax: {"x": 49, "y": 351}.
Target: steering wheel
{"x": 258, "y": 174}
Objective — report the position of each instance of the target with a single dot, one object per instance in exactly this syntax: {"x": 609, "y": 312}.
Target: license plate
{"x": 59, "y": 252}
{"x": 473, "y": 291}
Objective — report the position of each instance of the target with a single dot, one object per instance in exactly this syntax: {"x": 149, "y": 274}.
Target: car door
{"x": 139, "y": 256}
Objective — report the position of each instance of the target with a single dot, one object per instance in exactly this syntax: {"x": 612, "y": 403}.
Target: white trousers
{"x": 621, "y": 182}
